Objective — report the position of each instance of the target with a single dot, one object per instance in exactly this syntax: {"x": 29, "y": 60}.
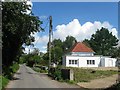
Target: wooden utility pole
{"x": 50, "y": 35}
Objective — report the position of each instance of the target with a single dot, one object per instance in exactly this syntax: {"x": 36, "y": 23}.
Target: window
{"x": 87, "y": 61}
{"x": 69, "y": 61}
{"x": 73, "y": 61}
{"x": 91, "y": 62}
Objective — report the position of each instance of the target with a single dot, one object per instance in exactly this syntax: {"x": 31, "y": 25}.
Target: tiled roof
{"x": 80, "y": 47}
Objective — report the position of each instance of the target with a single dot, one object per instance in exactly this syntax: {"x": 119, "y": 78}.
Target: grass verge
{"x": 85, "y": 75}
{"x": 3, "y": 82}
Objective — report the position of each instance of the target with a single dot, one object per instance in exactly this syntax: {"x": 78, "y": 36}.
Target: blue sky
{"x": 84, "y": 15}
{"x": 84, "y": 11}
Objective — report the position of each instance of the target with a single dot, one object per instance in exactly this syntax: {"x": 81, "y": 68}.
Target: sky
{"x": 78, "y": 19}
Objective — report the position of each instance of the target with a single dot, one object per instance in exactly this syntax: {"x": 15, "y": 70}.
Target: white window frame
{"x": 73, "y": 62}
{"x": 90, "y": 62}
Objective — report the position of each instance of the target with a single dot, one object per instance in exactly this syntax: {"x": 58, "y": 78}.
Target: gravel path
{"x": 100, "y": 83}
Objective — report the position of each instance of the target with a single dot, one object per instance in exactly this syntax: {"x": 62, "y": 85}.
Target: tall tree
{"x": 57, "y": 42}
{"x": 57, "y": 51}
{"x": 17, "y": 27}
{"x": 103, "y": 42}
{"x": 68, "y": 43}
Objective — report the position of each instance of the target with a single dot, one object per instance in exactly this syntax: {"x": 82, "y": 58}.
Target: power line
{"x": 43, "y": 29}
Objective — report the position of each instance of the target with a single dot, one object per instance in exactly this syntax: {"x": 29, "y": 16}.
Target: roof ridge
{"x": 80, "y": 47}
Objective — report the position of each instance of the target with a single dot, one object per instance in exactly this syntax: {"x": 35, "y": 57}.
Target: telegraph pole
{"x": 50, "y": 35}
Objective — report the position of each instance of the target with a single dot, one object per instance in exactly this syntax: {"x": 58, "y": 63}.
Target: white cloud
{"x": 75, "y": 29}
{"x": 81, "y": 32}
{"x": 27, "y": 50}
{"x": 29, "y": 2}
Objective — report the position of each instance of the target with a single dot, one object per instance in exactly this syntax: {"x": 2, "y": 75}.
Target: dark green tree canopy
{"x": 17, "y": 27}
{"x": 57, "y": 42}
{"x": 103, "y": 42}
{"x": 68, "y": 43}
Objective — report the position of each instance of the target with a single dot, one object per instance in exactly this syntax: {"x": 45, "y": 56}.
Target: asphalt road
{"x": 28, "y": 78}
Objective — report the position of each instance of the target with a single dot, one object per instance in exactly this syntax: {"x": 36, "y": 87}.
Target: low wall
{"x": 65, "y": 73}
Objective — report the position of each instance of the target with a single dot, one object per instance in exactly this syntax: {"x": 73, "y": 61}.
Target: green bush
{"x": 15, "y": 67}
{"x": 3, "y": 82}
{"x": 57, "y": 74}
{"x": 43, "y": 71}
{"x": 10, "y": 70}
{"x": 36, "y": 69}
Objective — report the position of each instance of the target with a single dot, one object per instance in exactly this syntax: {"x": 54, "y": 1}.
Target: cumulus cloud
{"x": 81, "y": 32}
{"x": 27, "y": 50}
{"x": 75, "y": 29}
{"x": 31, "y": 5}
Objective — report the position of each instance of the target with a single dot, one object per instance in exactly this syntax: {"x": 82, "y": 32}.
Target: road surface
{"x": 28, "y": 78}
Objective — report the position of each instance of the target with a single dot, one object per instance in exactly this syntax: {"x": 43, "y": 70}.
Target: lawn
{"x": 85, "y": 75}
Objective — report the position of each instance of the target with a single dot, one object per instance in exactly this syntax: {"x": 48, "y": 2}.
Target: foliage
{"x": 15, "y": 67}
{"x": 68, "y": 43}
{"x": 39, "y": 69}
{"x": 22, "y": 59}
{"x": 3, "y": 81}
{"x": 57, "y": 43}
{"x": 11, "y": 70}
{"x": 59, "y": 48}
{"x": 57, "y": 74}
{"x": 102, "y": 42}
{"x": 30, "y": 61}
{"x": 17, "y": 27}
{"x": 117, "y": 54}
{"x": 57, "y": 53}
{"x": 45, "y": 58}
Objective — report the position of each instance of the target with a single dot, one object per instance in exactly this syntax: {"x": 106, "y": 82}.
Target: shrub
{"x": 43, "y": 71}
{"x": 11, "y": 70}
{"x": 4, "y": 81}
{"x": 36, "y": 69}
{"x": 14, "y": 67}
{"x": 57, "y": 74}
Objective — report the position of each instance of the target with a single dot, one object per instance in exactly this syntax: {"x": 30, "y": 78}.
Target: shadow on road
{"x": 18, "y": 73}
{"x": 15, "y": 78}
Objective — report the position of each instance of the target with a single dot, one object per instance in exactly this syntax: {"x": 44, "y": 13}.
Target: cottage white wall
{"x": 71, "y": 58}
{"x": 102, "y": 62}
{"x": 82, "y": 53}
{"x": 110, "y": 62}
{"x": 82, "y": 61}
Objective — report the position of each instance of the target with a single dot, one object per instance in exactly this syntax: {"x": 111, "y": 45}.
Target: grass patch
{"x": 3, "y": 82}
{"x": 85, "y": 75}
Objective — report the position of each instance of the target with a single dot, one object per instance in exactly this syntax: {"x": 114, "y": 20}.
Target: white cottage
{"x": 82, "y": 56}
